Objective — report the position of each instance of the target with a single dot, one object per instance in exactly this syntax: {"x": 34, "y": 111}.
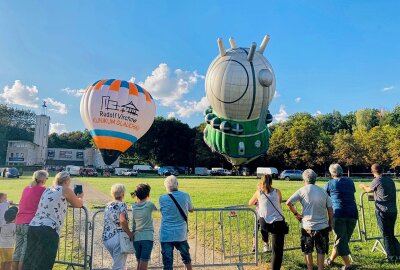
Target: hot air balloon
{"x": 116, "y": 113}
{"x": 240, "y": 85}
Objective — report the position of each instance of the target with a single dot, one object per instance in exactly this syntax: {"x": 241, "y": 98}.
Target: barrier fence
{"x": 370, "y": 230}
{"x": 217, "y": 237}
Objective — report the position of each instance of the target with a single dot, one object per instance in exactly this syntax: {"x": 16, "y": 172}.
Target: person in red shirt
{"x": 27, "y": 208}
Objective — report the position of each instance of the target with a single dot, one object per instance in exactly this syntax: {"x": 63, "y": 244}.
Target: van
{"x": 142, "y": 168}
{"x": 267, "y": 170}
{"x": 73, "y": 170}
{"x": 201, "y": 171}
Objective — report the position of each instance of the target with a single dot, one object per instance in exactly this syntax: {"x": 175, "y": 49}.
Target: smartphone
{"x": 78, "y": 189}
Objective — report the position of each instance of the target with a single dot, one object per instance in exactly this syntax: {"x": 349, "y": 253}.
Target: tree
{"x": 332, "y": 122}
{"x": 324, "y": 150}
{"x": 393, "y": 118}
{"x": 375, "y": 144}
{"x": 394, "y": 147}
{"x": 367, "y": 118}
{"x": 301, "y": 140}
{"x": 347, "y": 150}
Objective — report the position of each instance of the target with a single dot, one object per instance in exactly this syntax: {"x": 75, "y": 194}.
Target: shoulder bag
{"x": 180, "y": 210}
{"x": 283, "y": 229}
{"x": 125, "y": 243}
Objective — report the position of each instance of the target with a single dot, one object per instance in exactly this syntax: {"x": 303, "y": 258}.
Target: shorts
{"x": 21, "y": 239}
{"x": 167, "y": 252}
{"x": 343, "y": 229}
{"x": 319, "y": 239}
{"x": 6, "y": 255}
{"x": 143, "y": 250}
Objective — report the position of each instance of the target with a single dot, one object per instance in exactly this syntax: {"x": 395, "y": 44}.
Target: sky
{"x": 326, "y": 55}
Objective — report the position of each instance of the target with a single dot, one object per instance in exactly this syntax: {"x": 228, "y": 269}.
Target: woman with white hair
{"x": 315, "y": 226}
{"x": 174, "y": 208}
{"x": 341, "y": 190}
{"x": 115, "y": 222}
{"x": 28, "y": 205}
{"x": 45, "y": 228}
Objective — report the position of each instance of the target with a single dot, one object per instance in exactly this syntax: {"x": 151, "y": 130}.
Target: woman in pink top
{"x": 27, "y": 208}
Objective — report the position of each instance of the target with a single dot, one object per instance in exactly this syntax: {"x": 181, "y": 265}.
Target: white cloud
{"x": 57, "y": 128}
{"x": 171, "y": 115}
{"x": 19, "y": 94}
{"x": 188, "y": 108}
{"x": 282, "y": 115}
{"x": 73, "y": 92}
{"x": 297, "y": 100}
{"x": 317, "y": 113}
{"x": 56, "y": 106}
{"x": 169, "y": 87}
{"x": 276, "y": 95}
{"x": 385, "y": 89}
{"x": 132, "y": 79}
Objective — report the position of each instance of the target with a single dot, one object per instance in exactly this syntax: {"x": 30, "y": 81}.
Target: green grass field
{"x": 217, "y": 192}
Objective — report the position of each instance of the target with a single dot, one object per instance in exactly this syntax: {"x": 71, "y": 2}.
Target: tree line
{"x": 355, "y": 140}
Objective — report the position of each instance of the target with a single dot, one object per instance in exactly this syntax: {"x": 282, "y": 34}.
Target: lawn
{"x": 217, "y": 192}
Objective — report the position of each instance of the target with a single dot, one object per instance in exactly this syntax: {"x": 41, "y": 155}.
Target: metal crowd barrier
{"x": 217, "y": 237}
{"x": 73, "y": 246}
{"x": 370, "y": 230}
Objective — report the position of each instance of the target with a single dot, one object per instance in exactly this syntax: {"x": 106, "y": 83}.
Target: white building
{"x": 22, "y": 153}
{"x": 26, "y": 153}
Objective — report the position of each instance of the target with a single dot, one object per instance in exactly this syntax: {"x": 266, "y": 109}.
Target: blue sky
{"x": 327, "y": 55}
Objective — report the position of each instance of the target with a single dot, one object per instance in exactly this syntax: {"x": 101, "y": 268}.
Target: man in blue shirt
{"x": 174, "y": 227}
{"x": 345, "y": 213}
{"x": 385, "y": 210}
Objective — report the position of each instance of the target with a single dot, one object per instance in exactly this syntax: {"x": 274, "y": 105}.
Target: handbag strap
{"x": 179, "y": 207}
{"x": 273, "y": 205}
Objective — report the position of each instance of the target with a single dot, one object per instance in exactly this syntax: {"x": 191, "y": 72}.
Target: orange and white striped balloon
{"x": 116, "y": 113}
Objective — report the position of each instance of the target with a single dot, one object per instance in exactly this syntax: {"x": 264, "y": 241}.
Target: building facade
{"x": 23, "y": 153}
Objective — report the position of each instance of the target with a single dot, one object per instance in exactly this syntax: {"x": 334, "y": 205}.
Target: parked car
{"x": 130, "y": 173}
{"x": 9, "y": 172}
{"x": 227, "y": 172}
{"x": 182, "y": 170}
{"x": 267, "y": 170}
{"x": 167, "y": 170}
{"x": 88, "y": 172}
{"x": 120, "y": 171}
{"x": 291, "y": 175}
{"x": 217, "y": 172}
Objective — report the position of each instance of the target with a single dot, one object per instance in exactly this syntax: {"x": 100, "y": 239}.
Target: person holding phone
{"x": 45, "y": 228}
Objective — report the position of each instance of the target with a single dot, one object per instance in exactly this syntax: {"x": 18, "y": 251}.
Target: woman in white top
{"x": 271, "y": 217}
{"x": 116, "y": 221}
{"x": 45, "y": 228}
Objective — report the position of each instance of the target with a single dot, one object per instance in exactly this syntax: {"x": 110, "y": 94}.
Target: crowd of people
{"x": 29, "y": 236}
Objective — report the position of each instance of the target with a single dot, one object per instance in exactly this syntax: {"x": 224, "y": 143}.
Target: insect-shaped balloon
{"x": 116, "y": 113}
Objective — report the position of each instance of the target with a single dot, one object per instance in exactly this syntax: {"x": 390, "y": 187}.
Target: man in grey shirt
{"x": 315, "y": 223}
{"x": 385, "y": 210}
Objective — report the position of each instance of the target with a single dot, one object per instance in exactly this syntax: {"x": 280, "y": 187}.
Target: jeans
{"x": 167, "y": 252}
{"x": 343, "y": 228}
{"x": 118, "y": 259}
{"x": 143, "y": 250}
{"x": 386, "y": 222}
{"x": 41, "y": 248}
{"x": 277, "y": 241}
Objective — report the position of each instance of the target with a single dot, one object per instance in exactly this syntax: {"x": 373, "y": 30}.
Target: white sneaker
{"x": 266, "y": 247}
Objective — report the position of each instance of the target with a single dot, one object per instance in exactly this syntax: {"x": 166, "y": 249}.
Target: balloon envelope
{"x": 116, "y": 113}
